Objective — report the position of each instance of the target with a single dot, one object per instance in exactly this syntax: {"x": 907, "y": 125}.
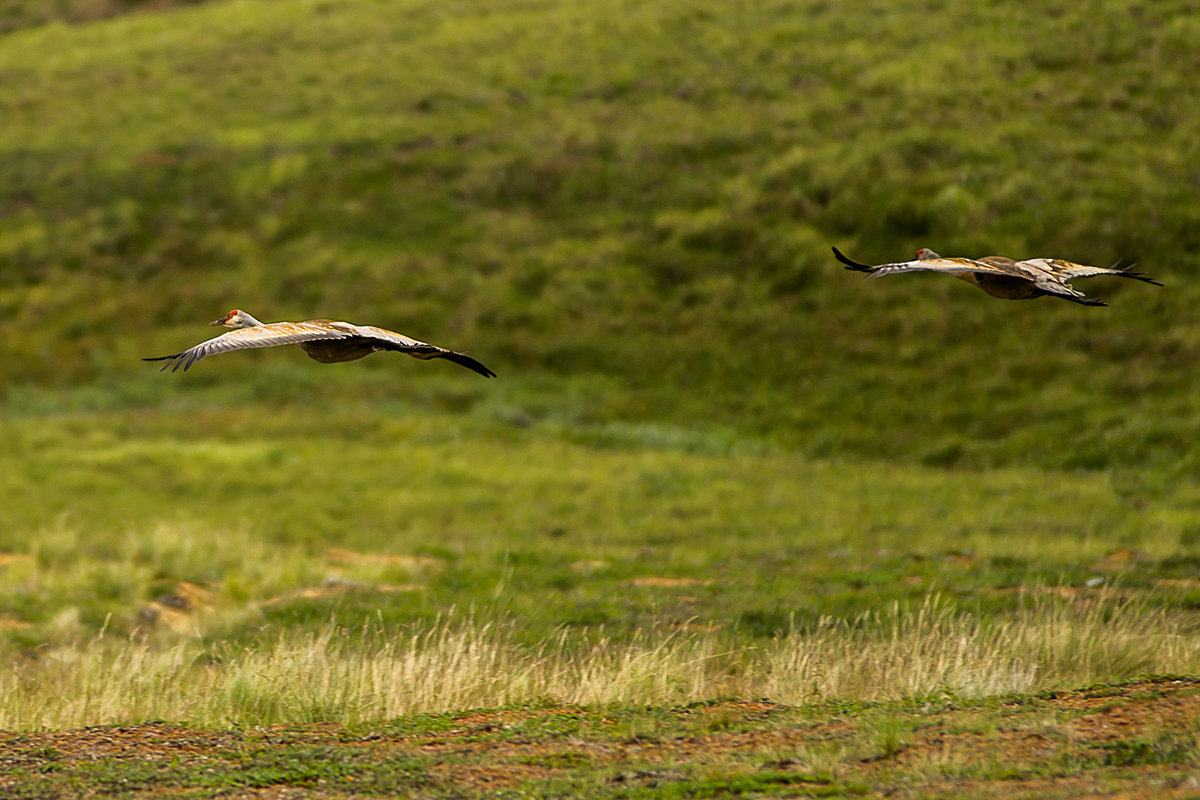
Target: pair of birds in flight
{"x": 329, "y": 341}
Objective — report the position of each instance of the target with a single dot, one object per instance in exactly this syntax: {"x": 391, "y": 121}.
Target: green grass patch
{"x": 640, "y": 197}
{"x": 200, "y": 561}
{"x": 714, "y": 465}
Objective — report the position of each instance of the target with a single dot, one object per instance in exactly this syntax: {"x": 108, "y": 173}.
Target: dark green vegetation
{"x": 18, "y": 14}
{"x": 1103, "y": 741}
{"x": 627, "y": 212}
{"x": 702, "y": 422}
{"x": 643, "y": 191}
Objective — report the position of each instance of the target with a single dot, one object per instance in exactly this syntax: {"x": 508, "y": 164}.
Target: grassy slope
{"x": 626, "y": 210}
{"x": 645, "y": 191}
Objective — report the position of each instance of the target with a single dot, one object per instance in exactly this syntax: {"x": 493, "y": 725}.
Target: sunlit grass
{"x": 713, "y": 464}
{"x": 361, "y": 478}
{"x": 929, "y": 649}
{"x": 493, "y": 563}
{"x": 372, "y": 674}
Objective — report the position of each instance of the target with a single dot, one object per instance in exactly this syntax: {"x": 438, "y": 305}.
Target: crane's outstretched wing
{"x": 276, "y": 333}
{"x": 952, "y": 266}
{"x": 398, "y": 342}
{"x": 850, "y": 264}
{"x": 1036, "y": 276}
{"x": 1069, "y": 270}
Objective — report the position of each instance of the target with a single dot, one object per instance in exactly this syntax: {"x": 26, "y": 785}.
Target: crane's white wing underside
{"x": 272, "y": 335}
{"x": 952, "y": 266}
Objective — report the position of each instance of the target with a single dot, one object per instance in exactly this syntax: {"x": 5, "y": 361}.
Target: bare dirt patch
{"x": 1104, "y": 742}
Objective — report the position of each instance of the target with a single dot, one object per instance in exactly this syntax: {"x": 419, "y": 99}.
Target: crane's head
{"x": 924, "y": 254}
{"x": 236, "y": 319}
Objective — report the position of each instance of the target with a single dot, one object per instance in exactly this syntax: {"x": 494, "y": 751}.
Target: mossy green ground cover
{"x": 701, "y": 424}
{"x": 107, "y": 511}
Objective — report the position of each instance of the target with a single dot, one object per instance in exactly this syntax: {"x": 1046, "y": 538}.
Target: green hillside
{"x": 715, "y": 464}
{"x": 625, "y": 208}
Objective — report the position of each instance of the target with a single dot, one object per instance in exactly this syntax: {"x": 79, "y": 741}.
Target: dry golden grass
{"x": 363, "y": 676}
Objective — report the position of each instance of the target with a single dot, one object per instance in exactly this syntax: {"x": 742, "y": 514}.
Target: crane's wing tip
{"x": 173, "y": 362}
{"x": 1143, "y": 277}
{"x": 480, "y": 368}
{"x": 1127, "y": 270}
{"x": 849, "y": 263}
{"x": 464, "y": 360}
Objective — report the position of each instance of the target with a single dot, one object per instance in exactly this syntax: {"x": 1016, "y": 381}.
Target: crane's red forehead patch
{"x": 233, "y": 313}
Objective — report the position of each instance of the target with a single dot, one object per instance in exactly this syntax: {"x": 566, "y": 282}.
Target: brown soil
{"x": 1050, "y": 746}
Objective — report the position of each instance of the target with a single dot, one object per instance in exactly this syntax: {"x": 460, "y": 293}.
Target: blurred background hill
{"x": 624, "y": 208}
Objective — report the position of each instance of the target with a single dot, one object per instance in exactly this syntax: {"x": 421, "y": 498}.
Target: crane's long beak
{"x": 220, "y": 321}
